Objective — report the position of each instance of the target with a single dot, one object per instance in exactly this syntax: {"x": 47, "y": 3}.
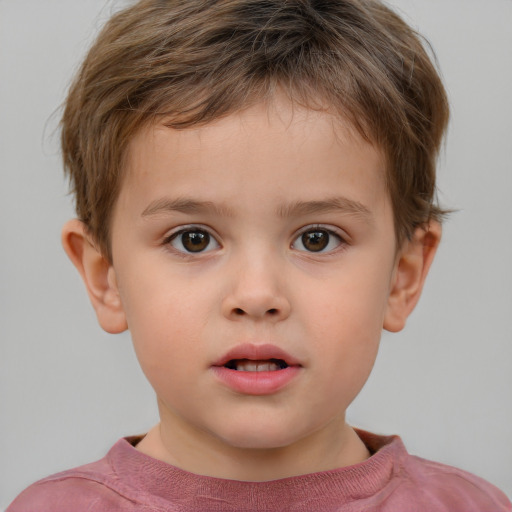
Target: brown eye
{"x": 193, "y": 241}
{"x": 315, "y": 241}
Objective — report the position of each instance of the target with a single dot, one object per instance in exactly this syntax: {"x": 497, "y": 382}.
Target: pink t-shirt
{"x": 391, "y": 480}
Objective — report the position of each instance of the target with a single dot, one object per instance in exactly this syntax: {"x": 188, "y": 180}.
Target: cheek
{"x": 166, "y": 321}
{"x": 350, "y": 307}
{"x": 345, "y": 327}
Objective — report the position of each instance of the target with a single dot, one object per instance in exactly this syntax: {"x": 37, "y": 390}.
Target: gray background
{"x": 68, "y": 390}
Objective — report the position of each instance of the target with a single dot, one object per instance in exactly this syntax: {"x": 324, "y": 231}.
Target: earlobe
{"x": 411, "y": 269}
{"x": 98, "y": 275}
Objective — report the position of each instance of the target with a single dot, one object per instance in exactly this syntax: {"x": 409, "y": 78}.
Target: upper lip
{"x": 257, "y": 352}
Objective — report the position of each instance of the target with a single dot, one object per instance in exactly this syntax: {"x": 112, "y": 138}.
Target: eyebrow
{"x": 341, "y": 205}
{"x": 190, "y": 206}
{"x": 185, "y": 205}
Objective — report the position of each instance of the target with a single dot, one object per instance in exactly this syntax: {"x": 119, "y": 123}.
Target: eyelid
{"x": 177, "y": 231}
{"x": 329, "y": 228}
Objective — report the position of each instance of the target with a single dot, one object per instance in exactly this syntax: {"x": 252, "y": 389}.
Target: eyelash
{"x": 177, "y": 235}
{"x": 318, "y": 228}
{"x": 205, "y": 234}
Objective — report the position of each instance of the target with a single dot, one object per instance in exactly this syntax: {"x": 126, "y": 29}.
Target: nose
{"x": 256, "y": 291}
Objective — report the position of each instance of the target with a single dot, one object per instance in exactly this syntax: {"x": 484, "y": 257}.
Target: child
{"x": 255, "y": 189}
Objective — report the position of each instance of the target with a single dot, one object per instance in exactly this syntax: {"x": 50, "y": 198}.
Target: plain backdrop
{"x": 69, "y": 391}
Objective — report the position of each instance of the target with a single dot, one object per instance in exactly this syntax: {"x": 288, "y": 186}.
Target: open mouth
{"x": 257, "y": 369}
{"x": 249, "y": 365}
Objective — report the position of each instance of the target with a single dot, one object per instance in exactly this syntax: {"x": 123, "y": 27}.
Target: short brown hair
{"x": 193, "y": 61}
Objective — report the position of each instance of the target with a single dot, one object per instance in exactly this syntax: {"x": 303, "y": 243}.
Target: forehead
{"x": 270, "y": 148}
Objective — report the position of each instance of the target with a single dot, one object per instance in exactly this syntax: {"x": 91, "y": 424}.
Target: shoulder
{"x": 69, "y": 493}
{"x": 414, "y": 484}
{"x": 449, "y": 488}
{"x": 92, "y": 488}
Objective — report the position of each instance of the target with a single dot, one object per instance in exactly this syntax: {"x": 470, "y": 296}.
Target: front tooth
{"x": 256, "y": 366}
{"x": 250, "y": 367}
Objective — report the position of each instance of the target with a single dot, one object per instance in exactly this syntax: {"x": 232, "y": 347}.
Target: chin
{"x": 260, "y": 437}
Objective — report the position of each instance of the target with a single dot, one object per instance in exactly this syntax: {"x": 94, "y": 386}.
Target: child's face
{"x": 270, "y": 229}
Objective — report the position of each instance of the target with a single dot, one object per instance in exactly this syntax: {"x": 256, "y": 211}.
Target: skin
{"x": 255, "y": 181}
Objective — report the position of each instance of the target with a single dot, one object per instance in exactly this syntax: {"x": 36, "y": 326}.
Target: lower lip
{"x": 256, "y": 383}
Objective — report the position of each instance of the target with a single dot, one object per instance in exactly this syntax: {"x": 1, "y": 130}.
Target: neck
{"x": 335, "y": 446}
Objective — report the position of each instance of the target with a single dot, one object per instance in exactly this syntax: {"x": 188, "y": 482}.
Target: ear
{"x": 411, "y": 269}
{"x": 98, "y": 275}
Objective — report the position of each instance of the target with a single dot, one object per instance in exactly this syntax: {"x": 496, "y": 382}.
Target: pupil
{"x": 195, "y": 241}
{"x": 315, "y": 241}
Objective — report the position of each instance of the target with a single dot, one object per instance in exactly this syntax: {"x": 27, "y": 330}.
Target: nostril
{"x": 239, "y": 311}
{"x": 272, "y": 311}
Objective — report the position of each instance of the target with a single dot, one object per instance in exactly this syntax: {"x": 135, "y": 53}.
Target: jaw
{"x": 252, "y": 459}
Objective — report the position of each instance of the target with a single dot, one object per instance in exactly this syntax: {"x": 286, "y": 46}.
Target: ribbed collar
{"x": 163, "y": 485}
